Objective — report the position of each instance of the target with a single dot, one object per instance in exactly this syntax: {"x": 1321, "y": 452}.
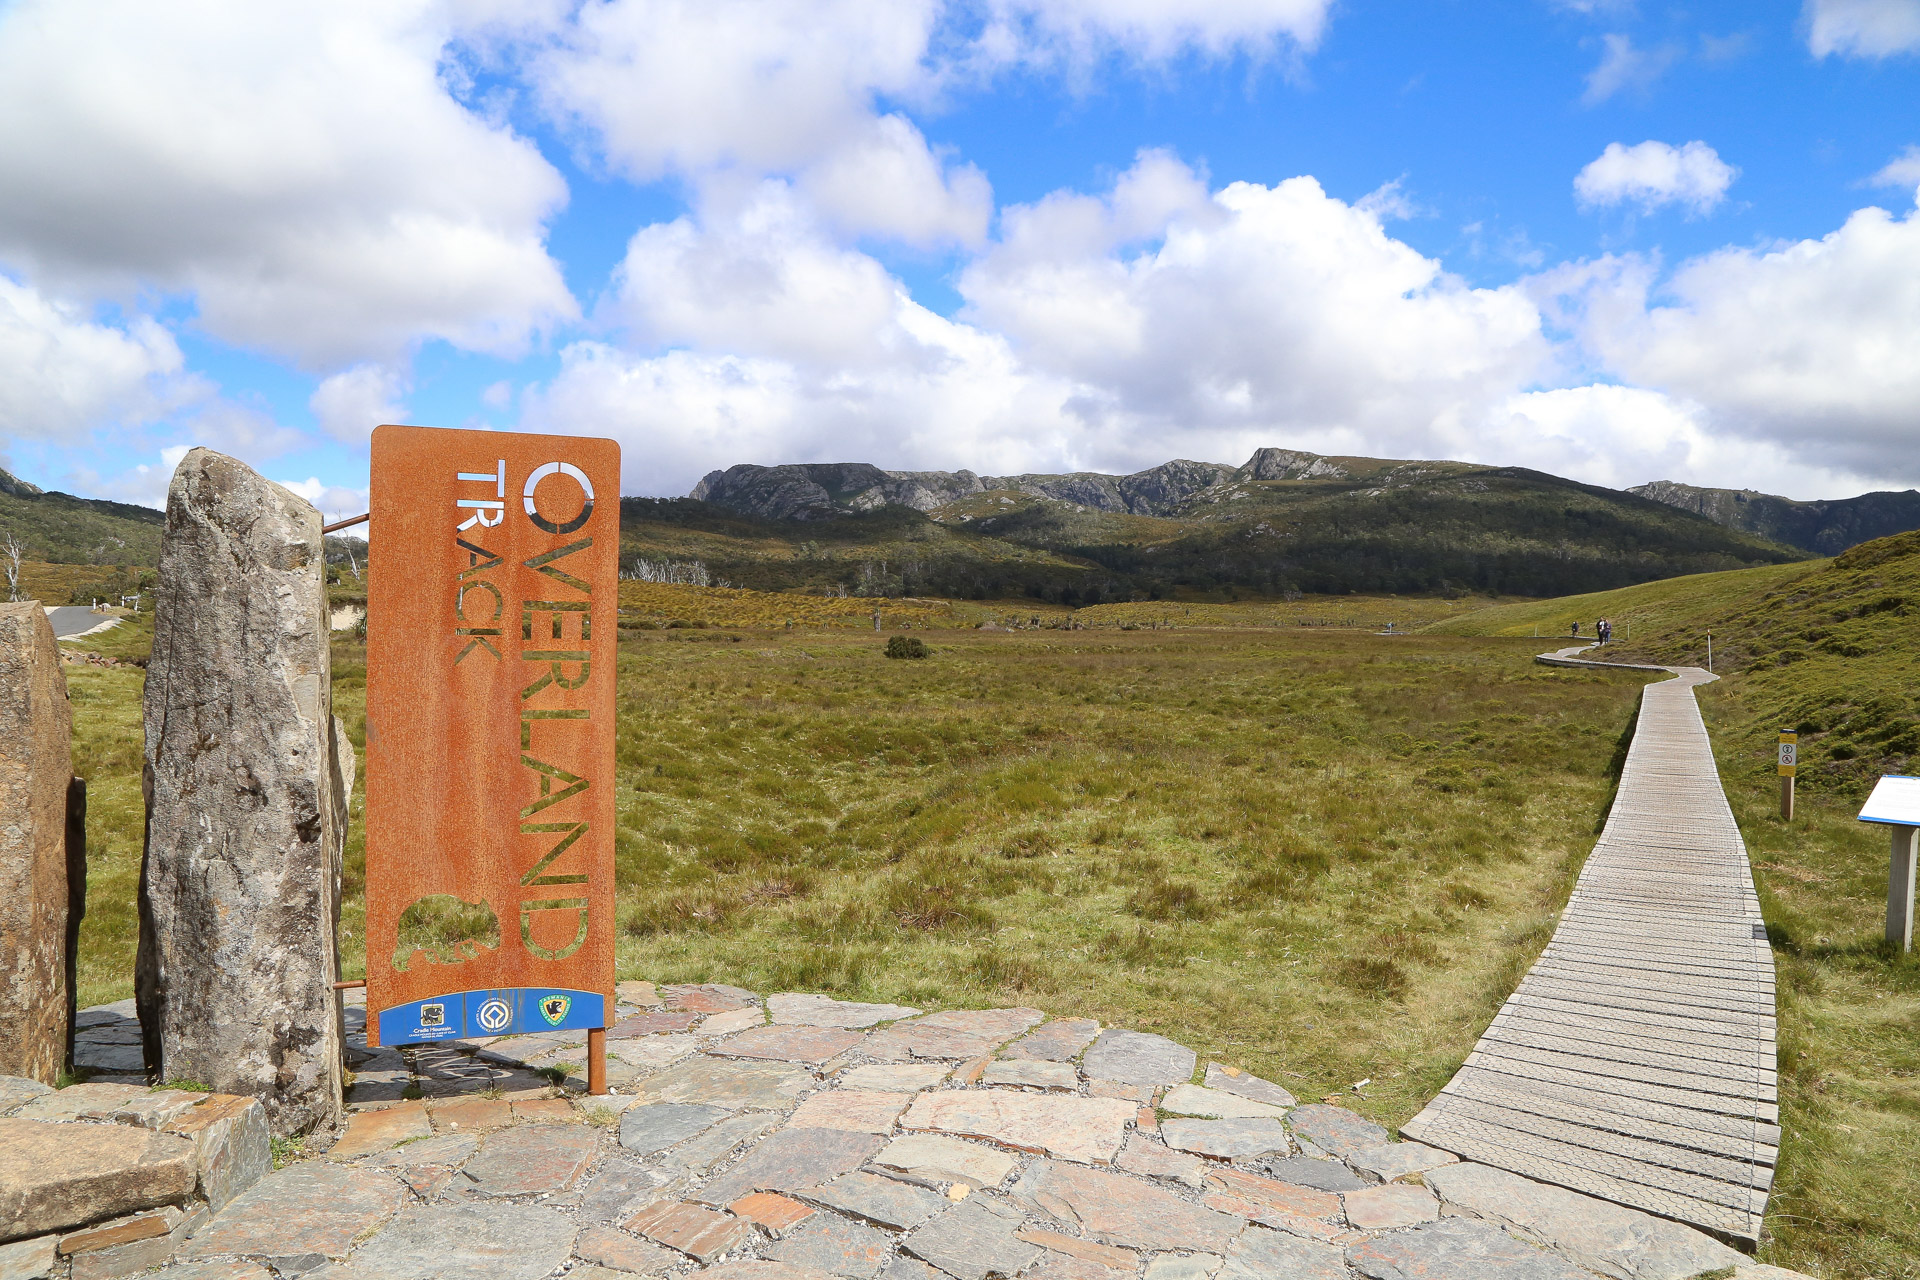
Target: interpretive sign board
{"x": 1895, "y": 801}
{"x": 492, "y": 616}
{"x": 1789, "y": 762}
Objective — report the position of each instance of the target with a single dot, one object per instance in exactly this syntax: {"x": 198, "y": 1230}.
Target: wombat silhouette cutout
{"x": 444, "y": 929}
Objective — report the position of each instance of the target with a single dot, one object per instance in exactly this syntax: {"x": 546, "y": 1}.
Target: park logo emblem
{"x": 554, "y": 1008}
{"x": 494, "y": 1015}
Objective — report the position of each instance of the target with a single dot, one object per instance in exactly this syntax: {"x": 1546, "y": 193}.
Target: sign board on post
{"x": 491, "y": 629}
{"x": 1789, "y": 765}
{"x": 1895, "y": 803}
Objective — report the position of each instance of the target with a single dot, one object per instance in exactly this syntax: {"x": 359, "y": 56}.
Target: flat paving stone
{"x": 936, "y": 1158}
{"x": 1456, "y": 1249}
{"x": 734, "y": 1085}
{"x": 1061, "y": 1040}
{"x": 695, "y": 1230}
{"x": 1261, "y": 1254}
{"x": 534, "y": 1159}
{"x": 1393, "y": 1204}
{"x": 886, "y": 1202}
{"x": 789, "y": 1043}
{"x": 306, "y": 1208}
{"x": 1107, "y": 1257}
{"x": 1192, "y": 1100}
{"x": 997, "y": 1025}
{"x": 79, "y": 1102}
{"x": 651, "y": 1053}
{"x": 1120, "y": 1210}
{"x": 54, "y": 1176}
{"x": 466, "y": 1242}
{"x": 129, "y": 1058}
{"x": 718, "y": 1143}
{"x": 913, "y": 1041}
{"x": 17, "y": 1091}
{"x": 1138, "y": 1058}
{"x": 1321, "y": 1172}
{"x": 1144, "y": 1155}
{"x": 656, "y": 1022}
{"x": 1060, "y": 1266}
{"x": 1271, "y": 1193}
{"x": 622, "y": 1188}
{"x": 1032, "y": 1073}
{"x": 1090, "y": 1130}
{"x": 607, "y": 1247}
{"x": 35, "y": 1259}
{"x": 1189, "y": 1266}
{"x": 1226, "y": 1139}
{"x": 470, "y": 1115}
{"x": 894, "y": 1077}
{"x": 707, "y": 997}
{"x": 974, "y": 1239}
{"x": 1599, "y": 1235}
{"x": 369, "y": 1131}
{"x": 835, "y": 1246}
{"x": 1336, "y": 1130}
{"x": 450, "y": 1149}
{"x": 772, "y": 1212}
{"x": 792, "y": 1160}
{"x": 823, "y": 1011}
{"x": 655, "y": 1126}
{"x": 760, "y": 1269}
{"x": 1399, "y": 1159}
{"x": 725, "y": 1024}
{"x": 856, "y": 1110}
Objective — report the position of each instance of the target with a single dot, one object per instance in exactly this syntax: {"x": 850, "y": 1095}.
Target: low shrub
{"x": 908, "y": 647}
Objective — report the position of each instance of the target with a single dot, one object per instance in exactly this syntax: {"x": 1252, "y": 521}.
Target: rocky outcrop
{"x": 245, "y": 777}
{"x": 1289, "y": 464}
{"x": 36, "y": 878}
{"x": 1827, "y": 526}
{"x": 818, "y": 491}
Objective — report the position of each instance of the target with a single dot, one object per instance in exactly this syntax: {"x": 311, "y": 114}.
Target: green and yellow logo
{"x": 554, "y": 1008}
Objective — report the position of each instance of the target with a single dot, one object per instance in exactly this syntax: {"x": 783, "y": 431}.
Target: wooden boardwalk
{"x": 1636, "y": 1060}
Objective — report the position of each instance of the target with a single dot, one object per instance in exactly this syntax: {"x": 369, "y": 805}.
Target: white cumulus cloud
{"x": 1152, "y": 29}
{"x": 1624, "y": 68}
{"x": 63, "y": 373}
{"x": 350, "y": 404}
{"x": 1652, "y": 174}
{"x": 1901, "y": 171}
{"x": 301, "y": 171}
{"x": 1862, "y": 28}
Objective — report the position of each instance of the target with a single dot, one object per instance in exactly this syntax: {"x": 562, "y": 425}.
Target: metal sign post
{"x": 491, "y": 622}
{"x": 1895, "y": 804}
{"x": 1789, "y": 765}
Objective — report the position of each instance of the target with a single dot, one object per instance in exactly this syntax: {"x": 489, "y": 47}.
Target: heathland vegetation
{"x": 1319, "y": 851}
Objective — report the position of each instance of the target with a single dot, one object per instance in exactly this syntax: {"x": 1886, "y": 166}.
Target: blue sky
{"x": 1616, "y": 241}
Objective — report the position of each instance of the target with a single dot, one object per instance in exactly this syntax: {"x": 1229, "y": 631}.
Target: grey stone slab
{"x": 1122, "y": 1210}
{"x": 697, "y": 1155}
{"x": 305, "y": 1208}
{"x": 112, "y": 1033}
{"x": 906, "y": 1267}
{"x": 1608, "y": 1238}
{"x": 54, "y": 1176}
{"x": 1336, "y": 1130}
{"x": 824, "y": 1011}
{"x": 1061, "y": 1040}
{"x": 1183, "y": 1266}
{"x": 1398, "y": 1159}
{"x": 1032, "y": 1073}
{"x": 1251, "y": 1087}
{"x": 615, "y": 1253}
{"x": 1136, "y": 1057}
{"x": 835, "y": 1246}
{"x": 937, "y": 1158}
{"x": 450, "y": 1149}
{"x": 17, "y": 1091}
{"x": 91, "y": 1101}
{"x": 1226, "y": 1139}
{"x": 622, "y": 1188}
{"x": 35, "y": 1259}
{"x": 1456, "y": 1249}
{"x": 1320, "y": 1172}
{"x": 1261, "y": 1254}
{"x": 534, "y": 1159}
{"x": 1151, "y": 1158}
{"x": 792, "y": 1160}
{"x": 894, "y": 1077}
{"x": 735, "y": 1085}
{"x": 887, "y": 1202}
{"x": 1192, "y": 1100}
{"x": 467, "y": 1242}
{"x": 973, "y": 1240}
{"x": 656, "y": 1126}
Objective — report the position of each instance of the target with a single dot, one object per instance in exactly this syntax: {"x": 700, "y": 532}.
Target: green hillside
{"x": 58, "y": 528}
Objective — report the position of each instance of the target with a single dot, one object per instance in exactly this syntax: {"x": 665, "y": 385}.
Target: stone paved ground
{"x": 798, "y": 1137}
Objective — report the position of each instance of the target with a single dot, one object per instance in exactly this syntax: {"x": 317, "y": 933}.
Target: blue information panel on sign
{"x": 508, "y": 1011}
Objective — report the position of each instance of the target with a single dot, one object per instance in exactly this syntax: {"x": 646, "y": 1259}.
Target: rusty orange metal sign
{"x": 491, "y": 628}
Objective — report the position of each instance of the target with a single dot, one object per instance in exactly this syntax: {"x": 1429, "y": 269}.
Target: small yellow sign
{"x": 1789, "y": 753}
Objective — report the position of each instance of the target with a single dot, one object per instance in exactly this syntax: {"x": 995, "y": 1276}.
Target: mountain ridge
{"x": 1825, "y": 526}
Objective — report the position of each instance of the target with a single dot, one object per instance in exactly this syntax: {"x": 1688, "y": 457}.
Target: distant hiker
{"x": 1575, "y": 631}
{"x": 1605, "y": 629}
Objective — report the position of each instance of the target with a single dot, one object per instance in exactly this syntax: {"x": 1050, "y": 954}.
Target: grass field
{"x": 1322, "y": 854}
